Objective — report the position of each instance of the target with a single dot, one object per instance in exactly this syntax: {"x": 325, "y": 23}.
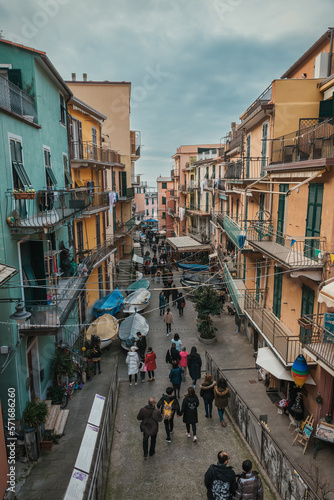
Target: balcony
{"x": 93, "y": 155}
{"x": 282, "y": 341}
{"x": 307, "y": 143}
{"x": 262, "y": 100}
{"x": 242, "y": 169}
{"x": 193, "y": 209}
{"x": 293, "y": 252}
{"x": 209, "y": 184}
{"x": 182, "y": 188}
{"x": 135, "y": 138}
{"x": 126, "y": 194}
{"x": 235, "y": 286}
{"x": 46, "y": 210}
{"x": 200, "y": 236}
{"x": 191, "y": 185}
{"x": 13, "y": 99}
{"x": 318, "y": 342}
{"x": 123, "y": 228}
{"x": 231, "y": 224}
{"x": 99, "y": 201}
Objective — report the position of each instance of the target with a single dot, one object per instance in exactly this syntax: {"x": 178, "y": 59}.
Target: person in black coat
{"x": 208, "y": 394}
{"x": 169, "y": 397}
{"x": 175, "y": 294}
{"x": 141, "y": 345}
{"x": 189, "y": 411}
{"x": 194, "y": 362}
{"x": 172, "y": 354}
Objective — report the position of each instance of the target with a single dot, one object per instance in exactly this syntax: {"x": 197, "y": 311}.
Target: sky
{"x": 194, "y": 65}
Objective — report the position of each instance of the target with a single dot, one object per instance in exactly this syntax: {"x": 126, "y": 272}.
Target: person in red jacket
{"x": 150, "y": 363}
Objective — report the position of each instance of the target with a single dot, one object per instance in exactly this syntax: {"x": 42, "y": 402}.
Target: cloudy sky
{"x": 195, "y": 65}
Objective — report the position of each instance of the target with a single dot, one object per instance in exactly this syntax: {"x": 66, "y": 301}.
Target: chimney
{"x": 84, "y": 77}
{"x": 74, "y": 77}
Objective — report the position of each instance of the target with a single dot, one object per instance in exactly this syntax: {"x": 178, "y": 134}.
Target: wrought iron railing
{"x": 125, "y": 194}
{"x": 15, "y": 100}
{"x": 307, "y": 143}
{"x": 98, "y": 200}
{"x": 318, "y": 340}
{"x": 47, "y": 209}
{"x": 246, "y": 168}
{"x": 294, "y": 251}
{"x": 284, "y": 342}
{"x": 93, "y": 152}
{"x": 264, "y": 98}
{"x": 191, "y": 185}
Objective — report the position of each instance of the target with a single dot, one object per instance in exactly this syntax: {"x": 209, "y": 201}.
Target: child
{"x": 183, "y": 360}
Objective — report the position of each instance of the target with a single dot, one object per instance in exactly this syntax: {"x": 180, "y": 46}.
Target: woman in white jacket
{"x": 132, "y": 360}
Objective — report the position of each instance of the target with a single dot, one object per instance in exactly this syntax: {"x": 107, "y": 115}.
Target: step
{"x": 61, "y": 422}
{"x": 52, "y": 418}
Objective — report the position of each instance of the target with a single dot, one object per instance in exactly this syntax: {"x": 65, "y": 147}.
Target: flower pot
{"x": 24, "y": 196}
{"x": 207, "y": 341}
{"x": 305, "y": 323}
{"x": 46, "y": 445}
{"x": 328, "y": 419}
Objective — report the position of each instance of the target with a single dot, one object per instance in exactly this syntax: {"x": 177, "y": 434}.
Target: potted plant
{"x": 50, "y": 438}
{"x": 34, "y": 414}
{"x": 207, "y": 303}
{"x": 62, "y": 365}
{"x": 305, "y": 323}
{"x": 21, "y": 194}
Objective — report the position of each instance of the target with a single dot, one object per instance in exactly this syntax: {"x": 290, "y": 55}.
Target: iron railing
{"x": 98, "y": 200}
{"x": 264, "y": 98}
{"x": 292, "y": 251}
{"x": 89, "y": 151}
{"x": 191, "y": 185}
{"x": 318, "y": 340}
{"x": 244, "y": 168}
{"x": 307, "y": 143}
{"x": 48, "y": 208}
{"x": 283, "y": 341}
{"x": 15, "y": 100}
{"x": 125, "y": 194}
{"x": 198, "y": 235}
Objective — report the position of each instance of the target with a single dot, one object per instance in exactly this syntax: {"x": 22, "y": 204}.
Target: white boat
{"x": 129, "y": 328}
{"x": 105, "y": 327}
{"x": 136, "y": 301}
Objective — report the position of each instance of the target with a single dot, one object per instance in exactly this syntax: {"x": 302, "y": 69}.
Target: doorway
{"x": 33, "y": 368}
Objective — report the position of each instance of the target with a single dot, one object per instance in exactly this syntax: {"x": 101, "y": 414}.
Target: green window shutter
{"x": 326, "y": 109}
{"x": 20, "y": 174}
{"x": 146, "y": 201}
{"x": 51, "y": 176}
{"x": 248, "y": 151}
{"x": 283, "y": 188}
{"x": 264, "y": 146}
{"x": 113, "y": 180}
{"x": 124, "y": 187}
{"x": 14, "y": 76}
{"x": 163, "y": 200}
{"x": 313, "y": 219}
{"x": 163, "y": 215}
{"x": 206, "y": 202}
{"x": 198, "y": 201}
{"x": 308, "y": 296}
{"x": 277, "y": 298}
{"x": 164, "y": 185}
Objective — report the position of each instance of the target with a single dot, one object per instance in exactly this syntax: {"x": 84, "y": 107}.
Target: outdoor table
{"x": 324, "y": 432}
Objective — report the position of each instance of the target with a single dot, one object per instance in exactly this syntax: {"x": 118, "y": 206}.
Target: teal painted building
{"x": 37, "y": 207}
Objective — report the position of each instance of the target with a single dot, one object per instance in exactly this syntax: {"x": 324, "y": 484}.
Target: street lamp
{"x": 20, "y": 315}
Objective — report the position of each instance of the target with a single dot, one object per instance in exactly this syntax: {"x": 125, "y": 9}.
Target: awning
{"x": 326, "y": 295}
{"x": 268, "y": 361}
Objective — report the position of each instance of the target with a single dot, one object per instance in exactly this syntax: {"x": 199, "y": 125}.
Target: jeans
{"x": 169, "y": 424}
{"x": 145, "y": 444}
{"x": 130, "y": 378}
{"x": 193, "y": 426}
{"x": 194, "y": 381}
{"x": 98, "y": 365}
{"x": 176, "y": 388}
{"x": 151, "y": 374}
{"x": 169, "y": 327}
{"x": 221, "y": 413}
{"x": 208, "y": 407}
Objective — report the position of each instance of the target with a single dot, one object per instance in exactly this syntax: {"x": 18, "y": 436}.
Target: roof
{"x": 184, "y": 243}
{"x": 86, "y": 107}
{"x": 94, "y": 82}
{"x": 164, "y": 179}
{"x": 6, "y": 273}
{"x": 305, "y": 55}
{"x": 24, "y": 47}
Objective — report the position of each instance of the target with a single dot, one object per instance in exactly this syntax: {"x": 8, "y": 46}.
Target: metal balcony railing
{"x": 123, "y": 228}
{"x": 191, "y": 185}
{"x": 125, "y": 194}
{"x": 199, "y": 235}
{"x": 246, "y": 168}
{"x": 88, "y": 151}
{"x": 283, "y": 341}
{"x": 264, "y": 98}
{"x": 307, "y": 143}
{"x": 291, "y": 251}
{"x": 318, "y": 340}
{"x": 98, "y": 200}
{"x": 47, "y": 209}
{"x": 15, "y": 100}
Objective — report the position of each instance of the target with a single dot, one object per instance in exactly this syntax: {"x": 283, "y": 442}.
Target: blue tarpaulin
{"x": 193, "y": 267}
{"x": 110, "y": 304}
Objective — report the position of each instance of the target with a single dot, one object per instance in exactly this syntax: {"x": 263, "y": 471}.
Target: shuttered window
{"x": 307, "y": 308}
{"x": 50, "y": 176}
{"x": 283, "y": 188}
{"x": 277, "y": 298}
{"x": 313, "y": 219}
{"x": 20, "y": 177}
{"x": 264, "y": 147}
{"x": 163, "y": 200}
{"x": 164, "y": 185}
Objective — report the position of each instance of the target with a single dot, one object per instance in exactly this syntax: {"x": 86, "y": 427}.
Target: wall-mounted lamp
{"x": 20, "y": 315}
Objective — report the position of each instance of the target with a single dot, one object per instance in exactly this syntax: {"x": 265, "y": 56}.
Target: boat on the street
{"x": 110, "y": 304}
{"x": 192, "y": 266}
{"x": 136, "y": 301}
{"x": 193, "y": 280}
{"x": 129, "y": 327}
{"x": 136, "y": 285}
{"x": 105, "y": 327}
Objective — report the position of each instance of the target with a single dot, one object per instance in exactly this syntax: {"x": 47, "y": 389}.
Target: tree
{"x": 207, "y": 303}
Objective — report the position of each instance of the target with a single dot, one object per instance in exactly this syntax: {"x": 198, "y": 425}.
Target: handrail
{"x": 16, "y": 100}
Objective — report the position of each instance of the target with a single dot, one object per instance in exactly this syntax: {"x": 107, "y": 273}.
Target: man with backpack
{"x": 169, "y": 406}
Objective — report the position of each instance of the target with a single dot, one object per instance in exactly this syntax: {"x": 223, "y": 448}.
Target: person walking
{"x": 96, "y": 353}
{"x": 175, "y": 294}
{"x": 150, "y": 363}
{"x": 132, "y": 360}
{"x": 141, "y": 345}
{"x": 249, "y": 485}
{"x": 189, "y": 412}
{"x": 177, "y": 341}
{"x": 158, "y": 276}
{"x": 208, "y": 394}
{"x": 222, "y": 393}
{"x": 175, "y": 376}
{"x": 169, "y": 406}
{"x": 169, "y": 320}
{"x": 184, "y": 361}
{"x": 194, "y": 363}
{"x": 162, "y": 303}
{"x": 167, "y": 295}
{"x": 237, "y": 321}
{"x": 153, "y": 271}
{"x": 220, "y": 479}
{"x": 150, "y": 418}
{"x": 172, "y": 354}
{"x": 181, "y": 303}
{"x": 154, "y": 248}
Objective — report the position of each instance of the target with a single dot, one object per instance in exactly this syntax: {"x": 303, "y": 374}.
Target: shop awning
{"x": 187, "y": 244}
{"x": 326, "y": 295}
{"x": 6, "y": 273}
{"x": 268, "y": 361}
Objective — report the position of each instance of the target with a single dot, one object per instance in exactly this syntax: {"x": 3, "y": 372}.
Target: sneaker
{"x": 142, "y": 381}
{"x": 206, "y": 416}
{"x": 130, "y": 383}
{"x": 188, "y": 435}
{"x": 135, "y": 383}
{"x": 223, "y": 424}
{"x": 195, "y": 439}
{"x": 168, "y": 440}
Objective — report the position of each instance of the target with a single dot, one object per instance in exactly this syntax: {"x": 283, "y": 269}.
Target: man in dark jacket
{"x": 150, "y": 418}
{"x": 220, "y": 480}
{"x": 141, "y": 345}
{"x": 172, "y": 354}
{"x": 169, "y": 406}
{"x": 249, "y": 485}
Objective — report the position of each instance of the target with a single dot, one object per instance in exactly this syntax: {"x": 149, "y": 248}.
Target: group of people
{"x": 177, "y": 299}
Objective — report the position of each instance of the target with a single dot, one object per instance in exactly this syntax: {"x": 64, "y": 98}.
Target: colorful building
{"x": 165, "y": 205}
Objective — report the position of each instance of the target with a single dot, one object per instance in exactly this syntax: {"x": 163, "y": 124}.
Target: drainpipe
{"x": 264, "y": 300}
{"x": 329, "y": 71}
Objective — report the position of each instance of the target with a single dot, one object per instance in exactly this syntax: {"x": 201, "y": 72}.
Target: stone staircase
{"x": 124, "y": 275}
{"x": 56, "y": 419}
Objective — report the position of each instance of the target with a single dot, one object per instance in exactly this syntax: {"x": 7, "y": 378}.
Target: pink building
{"x": 146, "y": 200}
{"x": 166, "y": 205}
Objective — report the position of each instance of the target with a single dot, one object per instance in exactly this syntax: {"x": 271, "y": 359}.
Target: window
{"x": 207, "y": 202}
{"x": 146, "y": 201}
{"x": 113, "y": 180}
{"x": 248, "y": 153}
{"x": 152, "y": 211}
{"x": 147, "y": 212}
{"x": 138, "y": 190}
{"x": 264, "y": 148}
{"x": 164, "y": 215}
{"x": 20, "y": 176}
{"x": 213, "y": 176}
{"x": 94, "y": 143}
{"x": 163, "y": 200}
{"x": 62, "y": 109}
{"x": 152, "y": 201}
{"x": 277, "y": 297}
{"x": 50, "y": 176}
{"x": 68, "y": 178}
{"x": 164, "y": 185}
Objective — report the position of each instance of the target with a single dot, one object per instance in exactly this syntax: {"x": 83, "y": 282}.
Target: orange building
{"x": 166, "y": 205}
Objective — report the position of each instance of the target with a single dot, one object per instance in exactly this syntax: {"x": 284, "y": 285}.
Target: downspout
{"x": 264, "y": 300}
{"x": 329, "y": 71}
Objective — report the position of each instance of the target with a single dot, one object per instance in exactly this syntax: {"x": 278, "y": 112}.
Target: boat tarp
{"x": 142, "y": 283}
{"x": 140, "y": 296}
{"x": 105, "y": 327}
{"x": 130, "y": 326}
{"x": 110, "y": 304}
{"x": 192, "y": 267}
{"x": 202, "y": 278}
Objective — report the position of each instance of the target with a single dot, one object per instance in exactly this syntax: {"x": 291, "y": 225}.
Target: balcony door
{"x": 277, "y": 298}
{"x": 248, "y": 153}
{"x": 80, "y": 237}
{"x": 307, "y": 308}
{"x": 283, "y": 188}
{"x": 313, "y": 220}
{"x": 98, "y": 229}
{"x": 258, "y": 281}
{"x": 264, "y": 148}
